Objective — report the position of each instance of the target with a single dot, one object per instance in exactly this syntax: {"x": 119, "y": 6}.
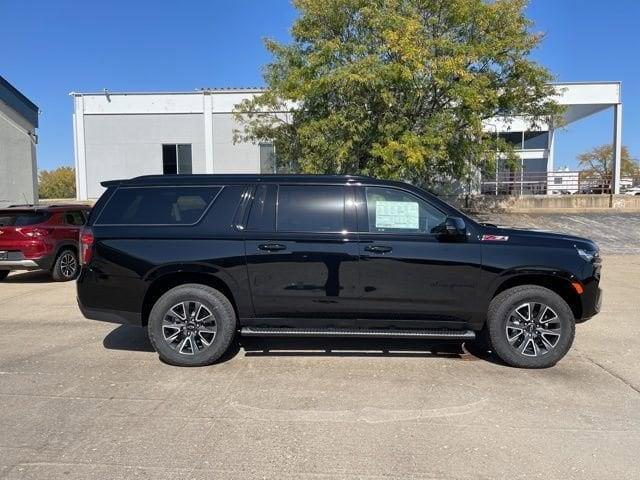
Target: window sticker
{"x": 405, "y": 215}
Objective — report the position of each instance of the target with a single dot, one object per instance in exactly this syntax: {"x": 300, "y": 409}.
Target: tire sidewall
{"x": 219, "y": 306}
{"x": 56, "y": 272}
{"x": 499, "y": 312}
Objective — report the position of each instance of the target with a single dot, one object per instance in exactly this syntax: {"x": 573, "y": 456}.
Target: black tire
{"x": 66, "y": 267}
{"x": 4, "y": 274}
{"x": 165, "y": 321}
{"x": 529, "y": 348}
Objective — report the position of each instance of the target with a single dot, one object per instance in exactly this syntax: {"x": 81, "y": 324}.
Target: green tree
{"x": 599, "y": 161}
{"x": 58, "y": 183}
{"x": 397, "y": 88}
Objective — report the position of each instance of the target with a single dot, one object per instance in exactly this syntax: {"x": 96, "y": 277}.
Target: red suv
{"x": 41, "y": 237}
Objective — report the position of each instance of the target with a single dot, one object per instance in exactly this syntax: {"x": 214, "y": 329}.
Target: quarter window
{"x": 394, "y": 211}
{"x": 310, "y": 208}
{"x": 157, "y": 205}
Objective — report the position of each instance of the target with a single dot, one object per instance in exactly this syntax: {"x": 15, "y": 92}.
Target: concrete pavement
{"x": 82, "y": 399}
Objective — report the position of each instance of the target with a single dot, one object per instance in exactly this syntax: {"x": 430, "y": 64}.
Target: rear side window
{"x": 74, "y": 218}
{"x": 310, "y": 208}
{"x": 19, "y": 219}
{"x": 157, "y": 205}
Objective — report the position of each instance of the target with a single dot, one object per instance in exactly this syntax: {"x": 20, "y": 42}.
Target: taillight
{"x": 86, "y": 245}
{"x": 33, "y": 232}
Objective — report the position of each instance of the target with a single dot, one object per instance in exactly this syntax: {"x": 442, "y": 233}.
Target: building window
{"x": 267, "y": 158}
{"x": 536, "y": 140}
{"x": 176, "y": 159}
{"x": 512, "y": 138}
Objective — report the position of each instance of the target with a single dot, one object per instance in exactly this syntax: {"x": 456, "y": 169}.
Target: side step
{"x": 433, "y": 334}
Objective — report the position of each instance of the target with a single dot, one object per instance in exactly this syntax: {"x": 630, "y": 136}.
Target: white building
{"x": 18, "y": 167}
{"x": 122, "y": 135}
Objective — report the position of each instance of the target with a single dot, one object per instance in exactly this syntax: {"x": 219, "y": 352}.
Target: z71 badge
{"x": 495, "y": 238}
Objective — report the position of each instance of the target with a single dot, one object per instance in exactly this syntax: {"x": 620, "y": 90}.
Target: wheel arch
{"x": 165, "y": 282}
{"x": 556, "y": 283}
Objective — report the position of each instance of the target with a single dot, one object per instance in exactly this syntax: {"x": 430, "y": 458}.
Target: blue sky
{"x": 49, "y": 48}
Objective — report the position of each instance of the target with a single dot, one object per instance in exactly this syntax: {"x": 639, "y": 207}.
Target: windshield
{"x": 18, "y": 219}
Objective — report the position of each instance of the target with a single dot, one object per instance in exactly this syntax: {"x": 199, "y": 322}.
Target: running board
{"x": 433, "y": 334}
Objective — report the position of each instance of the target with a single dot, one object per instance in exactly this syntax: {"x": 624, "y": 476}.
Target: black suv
{"x": 199, "y": 258}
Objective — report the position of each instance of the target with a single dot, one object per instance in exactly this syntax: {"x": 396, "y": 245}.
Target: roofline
{"x": 194, "y": 92}
{"x": 236, "y": 178}
{"x": 21, "y": 98}
{"x": 598, "y": 82}
{"x": 222, "y": 90}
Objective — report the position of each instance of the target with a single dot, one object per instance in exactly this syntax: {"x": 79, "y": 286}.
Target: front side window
{"x": 176, "y": 159}
{"x": 394, "y": 211}
{"x": 157, "y": 205}
{"x": 310, "y": 208}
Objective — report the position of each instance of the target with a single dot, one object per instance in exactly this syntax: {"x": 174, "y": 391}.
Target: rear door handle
{"x": 272, "y": 247}
{"x": 378, "y": 248}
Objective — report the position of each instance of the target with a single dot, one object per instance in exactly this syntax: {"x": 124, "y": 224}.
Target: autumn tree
{"x": 397, "y": 88}
{"x": 58, "y": 183}
{"x": 599, "y": 161}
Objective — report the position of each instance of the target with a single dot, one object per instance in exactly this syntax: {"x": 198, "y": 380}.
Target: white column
{"x": 208, "y": 131}
{"x": 550, "y": 159}
{"x": 617, "y": 148}
{"x": 79, "y": 148}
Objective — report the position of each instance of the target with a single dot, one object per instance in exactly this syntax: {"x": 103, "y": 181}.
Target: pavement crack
{"x": 612, "y": 373}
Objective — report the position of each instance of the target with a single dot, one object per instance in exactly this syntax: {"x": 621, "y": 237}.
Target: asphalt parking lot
{"x": 82, "y": 399}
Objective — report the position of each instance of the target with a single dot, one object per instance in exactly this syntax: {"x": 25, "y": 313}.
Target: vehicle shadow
{"x": 37, "y": 276}
{"x": 126, "y": 337}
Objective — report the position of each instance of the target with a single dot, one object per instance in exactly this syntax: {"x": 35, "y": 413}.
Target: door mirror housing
{"x": 451, "y": 227}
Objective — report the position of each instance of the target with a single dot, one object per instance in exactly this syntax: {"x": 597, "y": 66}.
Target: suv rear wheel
{"x": 66, "y": 266}
{"x": 4, "y": 274}
{"x": 530, "y": 326}
{"x": 192, "y": 325}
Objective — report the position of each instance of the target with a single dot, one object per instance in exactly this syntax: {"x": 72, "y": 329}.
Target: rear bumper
{"x": 110, "y": 316}
{"x": 19, "y": 265}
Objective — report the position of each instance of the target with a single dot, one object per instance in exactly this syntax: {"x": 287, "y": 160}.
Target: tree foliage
{"x": 397, "y": 88}
{"x": 599, "y": 161}
{"x": 58, "y": 183}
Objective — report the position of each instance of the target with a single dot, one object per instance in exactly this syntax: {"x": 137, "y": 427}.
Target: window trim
{"x": 148, "y": 187}
{"x": 361, "y": 230}
{"x": 315, "y": 232}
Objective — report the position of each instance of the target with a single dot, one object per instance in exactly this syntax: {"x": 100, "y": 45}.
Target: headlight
{"x": 587, "y": 255}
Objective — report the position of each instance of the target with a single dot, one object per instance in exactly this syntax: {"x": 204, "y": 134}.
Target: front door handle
{"x": 378, "y": 248}
{"x": 272, "y": 247}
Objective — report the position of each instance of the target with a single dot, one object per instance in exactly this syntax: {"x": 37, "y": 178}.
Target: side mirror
{"x": 452, "y": 227}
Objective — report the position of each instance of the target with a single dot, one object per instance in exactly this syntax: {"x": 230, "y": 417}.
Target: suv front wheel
{"x": 530, "y": 326}
{"x": 192, "y": 325}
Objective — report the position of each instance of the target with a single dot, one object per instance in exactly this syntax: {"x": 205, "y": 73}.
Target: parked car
{"x": 41, "y": 237}
{"x": 632, "y": 191}
{"x": 197, "y": 259}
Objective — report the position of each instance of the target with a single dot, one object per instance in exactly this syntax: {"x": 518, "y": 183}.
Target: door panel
{"x": 409, "y": 276}
{"x": 311, "y": 276}
{"x": 311, "y": 273}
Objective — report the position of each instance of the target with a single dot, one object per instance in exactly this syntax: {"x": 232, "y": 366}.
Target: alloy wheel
{"x": 533, "y": 329}
{"x": 189, "y": 327}
{"x": 68, "y": 265}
